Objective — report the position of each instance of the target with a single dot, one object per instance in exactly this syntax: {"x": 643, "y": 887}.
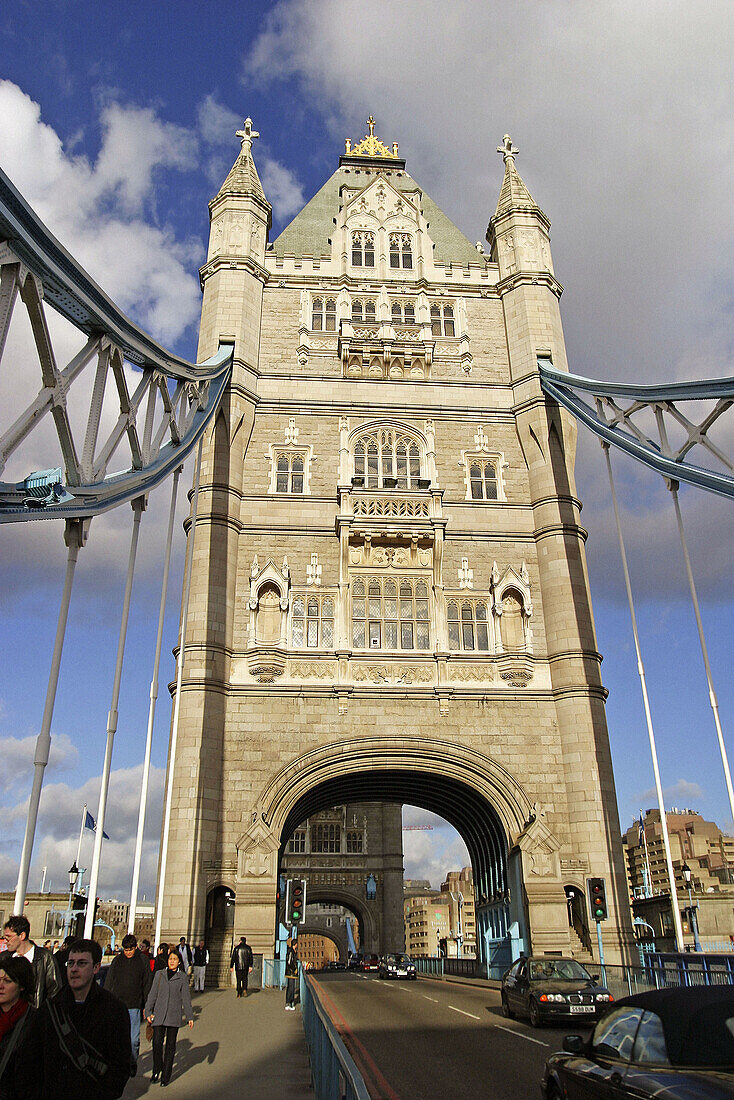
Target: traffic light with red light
{"x": 598, "y": 898}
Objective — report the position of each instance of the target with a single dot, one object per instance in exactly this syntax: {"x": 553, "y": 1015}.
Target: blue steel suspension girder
{"x": 564, "y": 388}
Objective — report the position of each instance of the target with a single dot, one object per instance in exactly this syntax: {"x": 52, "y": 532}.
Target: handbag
{"x": 149, "y": 1031}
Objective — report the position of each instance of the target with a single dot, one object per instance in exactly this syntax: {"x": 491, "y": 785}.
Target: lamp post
{"x": 73, "y": 878}
{"x": 687, "y": 874}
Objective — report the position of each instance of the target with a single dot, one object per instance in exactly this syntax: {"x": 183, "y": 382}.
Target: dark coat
{"x": 129, "y": 979}
{"x": 291, "y": 963}
{"x": 10, "y": 1087}
{"x": 48, "y": 1074}
{"x": 169, "y": 1000}
{"x": 46, "y": 975}
{"x": 241, "y": 958}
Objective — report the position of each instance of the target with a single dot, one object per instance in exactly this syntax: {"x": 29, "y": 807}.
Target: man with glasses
{"x": 17, "y": 933}
{"x": 79, "y": 1042}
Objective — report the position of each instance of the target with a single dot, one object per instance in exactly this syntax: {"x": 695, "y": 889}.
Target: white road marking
{"x": 520, "y": 1035}
{"x": 425, "y": 998}
{"x": 461, "y": 1010}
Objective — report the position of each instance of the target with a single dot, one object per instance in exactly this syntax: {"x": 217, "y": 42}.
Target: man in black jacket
{"x": 129, "y": 978}
{"x": 78, "y": 1045}
{"x": 17, "y": 932}
{"x": 241, "y": 963}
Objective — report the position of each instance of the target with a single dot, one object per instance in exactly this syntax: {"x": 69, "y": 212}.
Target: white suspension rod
{"x": 648, "y": 716}
{"x": 112, "y": 721}
{"x": 151, "y": 709}
{"x": 177, "y": 703}
{"x": 704, "y": 649}
{"x": 74, "y": 535}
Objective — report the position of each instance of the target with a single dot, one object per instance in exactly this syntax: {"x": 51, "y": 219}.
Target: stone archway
{"x": 514, "y": 855}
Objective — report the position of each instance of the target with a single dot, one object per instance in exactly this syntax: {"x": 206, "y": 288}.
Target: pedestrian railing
{"x": 273, "y": 973}
{"x": 333, "y": 1071}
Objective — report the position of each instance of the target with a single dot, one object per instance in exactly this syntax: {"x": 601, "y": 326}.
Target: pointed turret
{"x": 240, "y": 214}
{"x": 518, "y": 229}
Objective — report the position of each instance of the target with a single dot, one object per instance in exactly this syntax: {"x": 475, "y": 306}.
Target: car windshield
{"x": 399, "y": 960}
{"x": 553, "y": 970}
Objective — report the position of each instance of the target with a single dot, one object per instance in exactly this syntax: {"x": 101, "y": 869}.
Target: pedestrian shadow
{"x": 189, "y": 1055}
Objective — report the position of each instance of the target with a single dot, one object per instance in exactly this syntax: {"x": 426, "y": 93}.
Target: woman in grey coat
{"x": 168, "y": 1002}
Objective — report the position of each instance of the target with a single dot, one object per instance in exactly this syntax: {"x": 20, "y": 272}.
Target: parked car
{"x": 552, "y": 987}
{"x": 370, "y": 962}
{"x": 397, "y": 966}
{"x": 676, "y": 1043}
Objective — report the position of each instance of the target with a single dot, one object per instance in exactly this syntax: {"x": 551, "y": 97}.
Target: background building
{"x": 352, "y": 860}
{"x": 697, "y": 844}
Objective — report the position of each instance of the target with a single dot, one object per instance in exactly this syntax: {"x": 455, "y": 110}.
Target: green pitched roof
{"x": 310, "y": 231}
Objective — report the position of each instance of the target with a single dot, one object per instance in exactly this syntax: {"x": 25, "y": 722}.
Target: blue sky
{"x": 117, "y": 124}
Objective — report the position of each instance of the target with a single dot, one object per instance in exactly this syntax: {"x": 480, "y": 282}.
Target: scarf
{"x": 9, "y": 1019}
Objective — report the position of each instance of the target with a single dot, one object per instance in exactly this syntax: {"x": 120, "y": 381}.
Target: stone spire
{"x": 243, "y": 178}
{"x": 514, "y": 195}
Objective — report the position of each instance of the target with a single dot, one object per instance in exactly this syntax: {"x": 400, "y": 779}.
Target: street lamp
{"x": 73, "y": 879}
{"x": 687, "y": 874}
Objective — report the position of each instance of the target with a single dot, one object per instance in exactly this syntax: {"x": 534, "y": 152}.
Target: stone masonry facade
{"x": 389, "y": 573}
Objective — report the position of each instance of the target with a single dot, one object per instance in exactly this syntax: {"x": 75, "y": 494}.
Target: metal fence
{"x": 273, "y": 973}
{"x": 333, "y": 1071}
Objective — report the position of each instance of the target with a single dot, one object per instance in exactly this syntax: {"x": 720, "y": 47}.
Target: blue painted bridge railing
{"x": 334, "y": 1073}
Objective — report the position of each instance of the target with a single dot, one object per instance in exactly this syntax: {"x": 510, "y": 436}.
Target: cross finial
{"x": 371, "y": 124}
{"x": 507, "y": 149}
{"x": 247, "y": 135}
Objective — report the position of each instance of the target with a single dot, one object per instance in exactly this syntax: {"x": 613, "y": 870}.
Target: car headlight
{"x": 552, "y": 997}
{"x": 604, "y": 997}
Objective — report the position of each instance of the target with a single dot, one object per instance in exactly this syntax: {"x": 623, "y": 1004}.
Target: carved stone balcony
{"x": 390, "y": 513}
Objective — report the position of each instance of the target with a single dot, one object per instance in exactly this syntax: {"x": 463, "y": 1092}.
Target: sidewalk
{"x": 249, "y": 1047}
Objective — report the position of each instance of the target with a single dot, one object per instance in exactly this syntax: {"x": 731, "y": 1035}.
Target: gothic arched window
{"x": 323, "y": 315}
{"x": 468, "y": 626}
{"x": 312, "y": 622}
{"x": 483, "y": 479}
{"x": 363, "y": 311}
{"x": 401, "y": 250}
{"x": 363, "y": 249}
{"x": 442, "y": 320}
{"x": 289, "y": 472}
{"x": 387, "y": 459}
{"x": 403, "y": 313}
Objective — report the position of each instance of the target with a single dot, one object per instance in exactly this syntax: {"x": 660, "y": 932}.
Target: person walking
{"x": 291, "y": 975}
{"x": 17, "y": 932}
{"x": 78, "y": 1043}
{"x": 201, "y": 961}
{"x": 160, "y": 962}
{"x": 130, "y": 979}
{"x": 17, "y": 986}
{"x": 168, "y": 1002}
{"x": 241, "y": 962}
{"x": 185, "y": 954}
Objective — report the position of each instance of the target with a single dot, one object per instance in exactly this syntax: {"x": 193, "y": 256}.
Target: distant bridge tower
{"x": 390, "y": 599}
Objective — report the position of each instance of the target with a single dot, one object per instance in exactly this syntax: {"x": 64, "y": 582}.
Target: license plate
{"x": 580, "y": 1008}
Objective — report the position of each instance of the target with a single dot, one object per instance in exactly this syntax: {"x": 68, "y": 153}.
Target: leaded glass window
{"x": 312, "y": 622}
{"x": 387, "y": 454}
{"x": 323, "y": 315}
{"x": 363, "y": 249}
{"x": 401, "y": 250}
{"x": 390, "y": 614}
{"x": 442, "y": 320}
{"x": 326, "y": 838}
{"x": 483, "y": 479}
{"x": 288, "y": 472}
{"x": 468, "y": 625}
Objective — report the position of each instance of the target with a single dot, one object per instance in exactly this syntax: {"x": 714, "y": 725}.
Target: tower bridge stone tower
{"x": 389, "y": 598}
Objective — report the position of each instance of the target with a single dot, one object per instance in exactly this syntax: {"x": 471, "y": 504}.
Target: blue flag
{"x": 90, "y": 823}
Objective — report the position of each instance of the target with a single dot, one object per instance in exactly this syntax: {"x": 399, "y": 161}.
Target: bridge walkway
{"x": 250, "y": 1047}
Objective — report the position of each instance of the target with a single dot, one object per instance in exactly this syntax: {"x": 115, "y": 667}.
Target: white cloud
{"x": 684, "y": 793}
{"x": 58, "y": 831}
{"x": 430, "y": 853}
{"x": 281, "y": 187}
{"x": 17, "y": 755}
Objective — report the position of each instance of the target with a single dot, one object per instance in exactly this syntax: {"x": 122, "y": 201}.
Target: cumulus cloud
{"x": 58, "y": 831}
{"x": 432, "y": 847}
{"x": 17, "y": 755}
{"x": 684, "y": 793}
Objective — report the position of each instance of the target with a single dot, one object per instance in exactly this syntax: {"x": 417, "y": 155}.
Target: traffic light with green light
{"x": 297, "y": 900}
{"x": 598, "y": 898}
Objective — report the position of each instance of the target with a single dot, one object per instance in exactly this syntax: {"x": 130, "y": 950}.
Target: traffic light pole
{"x": 601, "y": 952}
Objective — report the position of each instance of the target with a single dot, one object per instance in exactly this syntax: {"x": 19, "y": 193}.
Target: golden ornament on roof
{"x": 371, "y": 146}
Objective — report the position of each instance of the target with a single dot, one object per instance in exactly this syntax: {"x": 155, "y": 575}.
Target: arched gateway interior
{"x": 501, "y": 917}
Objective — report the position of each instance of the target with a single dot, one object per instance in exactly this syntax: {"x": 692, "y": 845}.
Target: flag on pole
{"x": 90, "y": 823}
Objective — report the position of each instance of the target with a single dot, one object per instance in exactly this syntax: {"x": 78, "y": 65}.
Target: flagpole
{"x": 81, "y": 835}
{"x": 177, "y": 703}
{"x": 151, "y": 709}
